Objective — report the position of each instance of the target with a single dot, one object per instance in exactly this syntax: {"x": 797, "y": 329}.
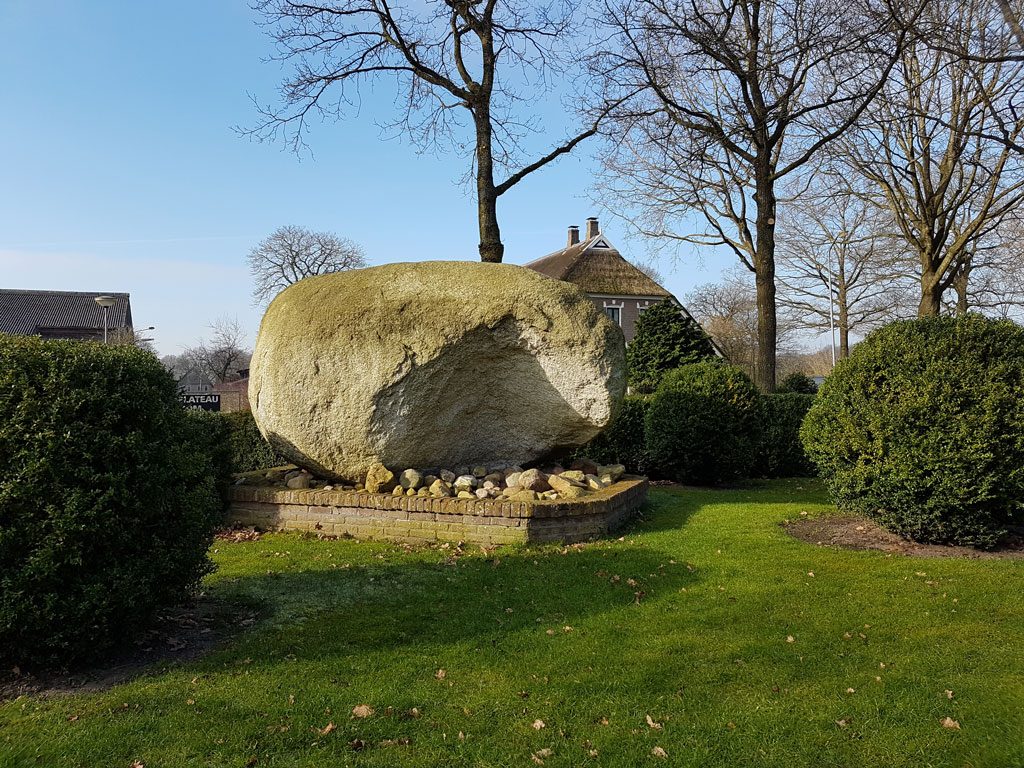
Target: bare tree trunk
{"x": 844, "y": 313}
{"x": 764, "y": 272}
{"x": 491, "y": 248}
{"x": 960, "y": 283}
{"x": 931, "y": 294}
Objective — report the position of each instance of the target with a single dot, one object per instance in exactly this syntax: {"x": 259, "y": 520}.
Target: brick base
{"x": 422, "y": 519}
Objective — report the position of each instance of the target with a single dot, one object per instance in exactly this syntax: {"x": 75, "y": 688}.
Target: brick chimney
{"x": 592, "y": 228}
{"x": 574, "y": 236}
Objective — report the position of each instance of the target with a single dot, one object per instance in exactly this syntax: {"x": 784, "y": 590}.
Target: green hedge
{"x": 623, "y": 441}
{"x": 665, "y": 339}
{"x": 249, "y": 451}
{"x": 702, "y": 424}
{"x": 780, "y": 450}
{"x": 108, "y": 499}
{"x": 922, "y": 428}
{"x": 798, "y": 383}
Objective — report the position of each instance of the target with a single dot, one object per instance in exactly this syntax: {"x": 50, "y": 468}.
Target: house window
{"x": 615, "y": 313}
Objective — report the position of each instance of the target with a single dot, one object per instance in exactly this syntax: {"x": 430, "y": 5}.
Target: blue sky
{"x": 123, "y": 171}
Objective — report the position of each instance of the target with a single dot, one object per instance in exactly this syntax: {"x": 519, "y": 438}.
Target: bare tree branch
{"x": 459, "y": 65}
{"x": 291, "y": 253}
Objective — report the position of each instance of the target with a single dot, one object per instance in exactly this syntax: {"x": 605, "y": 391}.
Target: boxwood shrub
{"x": 623, "y": 441}
{"x": 922, "y": 429}
{"x": 780, "y": 451}
{"x": 799, "y": 383}
{"x": 702, "y": 424}
{"x": 249, "y": 451}
{"x": 108, "y": 498}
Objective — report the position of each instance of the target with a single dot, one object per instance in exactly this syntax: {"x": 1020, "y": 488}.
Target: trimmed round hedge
{"x": 108, "y": 498}
{"x": 249, "y": 450}
{"x": 780, "y": 451}
{"x": 702, "y": 425}
{"x": 922, "y": 429}
{"x": 622, "y": 442}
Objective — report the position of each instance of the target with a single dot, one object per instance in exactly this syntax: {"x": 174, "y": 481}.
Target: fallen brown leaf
{"x": 361, "y": 711}
{"x": 949, "y": 694}
{"x": 651, "y": 723}
{"x": 950, "y": 723}
{"x": 538, "y": 724}
{"x": 541, "y": 755}
{"x": 659, "y": 752}
{"x": 329, "y": 728}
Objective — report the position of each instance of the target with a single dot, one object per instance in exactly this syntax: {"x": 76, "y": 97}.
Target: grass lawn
{"x": 706, "y": 632}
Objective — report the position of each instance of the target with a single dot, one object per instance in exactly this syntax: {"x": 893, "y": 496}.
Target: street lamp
{"x": 839, "y": 238}
{"x": 106, "y": 302}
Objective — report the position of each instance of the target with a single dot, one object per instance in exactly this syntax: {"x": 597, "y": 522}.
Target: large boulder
{"x": 433, "y": 364}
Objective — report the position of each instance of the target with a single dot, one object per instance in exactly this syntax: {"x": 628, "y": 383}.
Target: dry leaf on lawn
{"x": 659, "y": 752}
{"x": 950, "y": 723}
{"x": 326, "y": 729}
{"x": 538, "y": 724}
{"x": 363, "y": 710}
{"x": 655, "y": 725}
{"x": 538, "y": 757}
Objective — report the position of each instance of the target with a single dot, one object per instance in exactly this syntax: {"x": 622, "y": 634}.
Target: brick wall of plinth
{"x": 424, "y": 519}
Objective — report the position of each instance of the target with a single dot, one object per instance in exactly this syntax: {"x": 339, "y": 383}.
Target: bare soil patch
{"x": 177, "y": 635}
{"x": 853, "y": 532}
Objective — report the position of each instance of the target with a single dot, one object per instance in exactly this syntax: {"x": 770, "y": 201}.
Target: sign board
{"x": 201, "y": 402}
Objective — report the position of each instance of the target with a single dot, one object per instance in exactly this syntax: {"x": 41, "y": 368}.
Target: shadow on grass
{"x": 324, "y": 613}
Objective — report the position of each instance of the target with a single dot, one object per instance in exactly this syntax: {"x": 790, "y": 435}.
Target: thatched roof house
{"x": 616, "y": 286}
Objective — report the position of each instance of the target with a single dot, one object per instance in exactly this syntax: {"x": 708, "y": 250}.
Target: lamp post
{"x": 106, "y": 302}
{"x": 840, "y": 238}
{"x": 831, "y": 312}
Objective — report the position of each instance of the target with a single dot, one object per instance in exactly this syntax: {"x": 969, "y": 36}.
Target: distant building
{"x": 234, "y": 395}
{"x": 63, "y": 314}
{"x": 618, "y": 288}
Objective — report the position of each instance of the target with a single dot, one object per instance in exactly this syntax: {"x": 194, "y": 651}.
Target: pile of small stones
{"x": 582, "y": 478}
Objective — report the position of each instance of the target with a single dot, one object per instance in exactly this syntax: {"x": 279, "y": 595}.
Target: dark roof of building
{"x": 596, "y": 267}
{"x": 27, "y": 313}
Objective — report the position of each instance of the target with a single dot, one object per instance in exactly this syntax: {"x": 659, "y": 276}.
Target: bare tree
{"x": 991, "y": 279}
{"x": 180, "y": 367}
{"x": 486, "y": 61}
{"x": 837, "y": 266}
{"x": 220, "y": 358}
{"x": 291, "y": 253}
{"x": 1012, "y": 18}
{"x": 132, "y": 337}
{"x": 727, "y": 311}
{"x": 947, "y": 186}
{"x": 735, "y": 96}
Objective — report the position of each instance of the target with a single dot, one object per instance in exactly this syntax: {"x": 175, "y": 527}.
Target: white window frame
{"x": 618, "y": 304}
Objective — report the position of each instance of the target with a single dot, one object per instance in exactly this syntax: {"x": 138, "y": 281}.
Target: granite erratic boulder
{"x": 433, "y": 364}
